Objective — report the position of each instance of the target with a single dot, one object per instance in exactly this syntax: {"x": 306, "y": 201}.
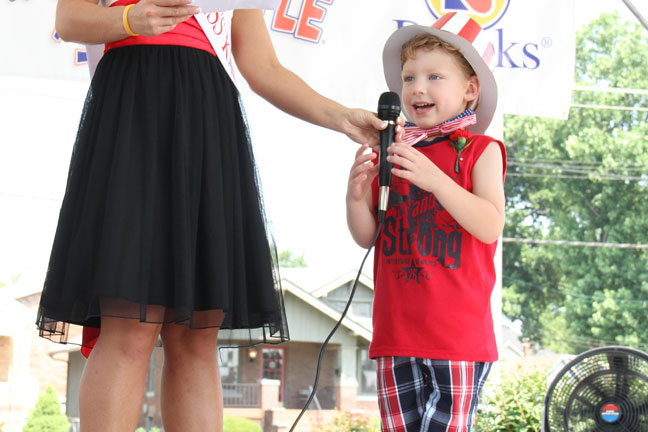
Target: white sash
{"x": 217, "y": 27}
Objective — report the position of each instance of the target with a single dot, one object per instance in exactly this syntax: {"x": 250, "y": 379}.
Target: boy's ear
{"x": 472, "y": 91}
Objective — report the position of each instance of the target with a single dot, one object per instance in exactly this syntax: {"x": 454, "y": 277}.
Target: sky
{"x": 304, "y": 185}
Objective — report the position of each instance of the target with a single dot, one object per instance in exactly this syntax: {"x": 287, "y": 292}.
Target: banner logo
{"x": 486, "y": 12}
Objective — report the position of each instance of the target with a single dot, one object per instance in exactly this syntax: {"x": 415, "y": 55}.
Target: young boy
{"x": 433, "y": 266}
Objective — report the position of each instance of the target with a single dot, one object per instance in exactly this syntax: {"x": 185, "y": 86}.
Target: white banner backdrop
{"x": 339, "y": 49}
{"x": 30, "y": 46}
{"x": 336, "y": 46}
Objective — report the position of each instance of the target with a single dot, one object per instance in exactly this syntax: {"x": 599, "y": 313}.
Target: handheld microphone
{"x": 389, "y": 108}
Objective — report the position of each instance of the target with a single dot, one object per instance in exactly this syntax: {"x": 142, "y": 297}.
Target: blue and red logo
{"x": 486, "y": 12}
{"x": 610, "y": 413}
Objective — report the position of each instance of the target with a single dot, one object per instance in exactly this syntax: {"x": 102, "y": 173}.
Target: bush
{"x": 515, "y": 404}
{"x": 346, "y": 422}
{"x": 47, "y": 416}
{"x": 235, "y": 424}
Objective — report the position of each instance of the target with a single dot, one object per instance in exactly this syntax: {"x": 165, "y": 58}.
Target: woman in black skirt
{"x": 161, "y": 230}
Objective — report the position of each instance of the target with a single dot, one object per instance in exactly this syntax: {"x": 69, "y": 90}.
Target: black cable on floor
{"x": 337, "y": 325}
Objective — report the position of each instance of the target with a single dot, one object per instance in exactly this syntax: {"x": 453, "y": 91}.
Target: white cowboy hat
{"x": 464, "y": 33}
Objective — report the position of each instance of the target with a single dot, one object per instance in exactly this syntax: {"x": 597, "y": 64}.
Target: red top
{"x": 433, "y": 280}
{"x": 187, "y": 33}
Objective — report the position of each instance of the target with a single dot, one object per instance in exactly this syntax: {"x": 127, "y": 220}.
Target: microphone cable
{"x": 337, "y": 325}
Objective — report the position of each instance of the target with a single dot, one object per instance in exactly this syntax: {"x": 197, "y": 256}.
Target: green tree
{"x": 288, "y": 259}
{"x": 583, "y": 180}
{"x": 14, "y": 279}
{"x": 47, "y": 416}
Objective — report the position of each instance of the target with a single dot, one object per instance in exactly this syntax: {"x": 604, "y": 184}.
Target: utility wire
{"x": 580, "y": 163}
{"x": 608, "y": 107}
{"x": 582, "y": 177}
{"x": 610, "y": 90}
{"x": 566, "y": 291}
{"x": 575, "y": 243}
{"x": 568, "y": 169}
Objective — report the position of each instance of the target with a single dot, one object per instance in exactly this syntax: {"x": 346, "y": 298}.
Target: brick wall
{"x": 301, "y": 361}
{"x": 49, "y": 370}
{"x": 6, "y": 357}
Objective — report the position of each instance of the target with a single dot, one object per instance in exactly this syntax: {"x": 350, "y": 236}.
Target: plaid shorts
{"x": 423, "y": 395}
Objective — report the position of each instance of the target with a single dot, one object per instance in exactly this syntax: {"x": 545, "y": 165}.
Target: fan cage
{"x": 603, "y": 389}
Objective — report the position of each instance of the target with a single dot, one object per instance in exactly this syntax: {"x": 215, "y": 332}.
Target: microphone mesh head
{"x": 389, "y": 106}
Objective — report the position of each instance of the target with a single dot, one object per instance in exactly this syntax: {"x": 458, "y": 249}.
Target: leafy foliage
{"x": 47, "y": 416}
{"x": 235, "y": 424}
{"x": 347, "y": 422}
{"x": 515, "y": 404}
{"x": 289, "y": 260}
{"x": 583, "y": 180}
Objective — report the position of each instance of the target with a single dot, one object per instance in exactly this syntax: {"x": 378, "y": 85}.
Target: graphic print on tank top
{"x": 419, "y": 235}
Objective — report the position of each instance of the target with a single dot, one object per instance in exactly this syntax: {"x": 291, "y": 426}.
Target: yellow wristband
{"x": 125, "y": 21}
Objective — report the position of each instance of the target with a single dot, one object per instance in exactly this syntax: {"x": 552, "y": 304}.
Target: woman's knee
{"x": 183, "y": 341}
{"x": 131, "y": 337}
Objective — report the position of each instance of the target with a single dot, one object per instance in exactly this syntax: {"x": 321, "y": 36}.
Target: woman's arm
{"x": 256, "y": 59}
{"x": 84, "y": 21}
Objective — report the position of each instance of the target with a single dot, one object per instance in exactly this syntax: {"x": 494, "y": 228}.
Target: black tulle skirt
{"x": 162, "y": 219}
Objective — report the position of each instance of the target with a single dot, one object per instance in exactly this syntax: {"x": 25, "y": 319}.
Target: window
{"x": 229, "y": 365}
{"x": 367, "y": 378}
{"x": 273, "y": 366}
{"x": 150, "y": 387}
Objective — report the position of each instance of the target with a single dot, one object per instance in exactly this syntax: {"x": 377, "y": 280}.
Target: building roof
{"x": 357, "y": 326}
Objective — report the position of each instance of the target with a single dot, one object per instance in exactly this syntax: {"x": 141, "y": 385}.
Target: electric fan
{"x": 603, "y": 389}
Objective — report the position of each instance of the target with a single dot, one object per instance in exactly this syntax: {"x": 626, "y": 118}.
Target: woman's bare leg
{"x": 192, "y": 399}
{"x": 112, "y": 385}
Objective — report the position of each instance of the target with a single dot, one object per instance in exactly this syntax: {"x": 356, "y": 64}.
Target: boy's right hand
{"x": 362, "y": 173}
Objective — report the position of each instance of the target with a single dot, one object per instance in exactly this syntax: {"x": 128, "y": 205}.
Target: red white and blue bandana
{"x": 414, "y": 134}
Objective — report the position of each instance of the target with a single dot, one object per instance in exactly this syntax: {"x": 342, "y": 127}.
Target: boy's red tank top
{"x": 433, "y": 280}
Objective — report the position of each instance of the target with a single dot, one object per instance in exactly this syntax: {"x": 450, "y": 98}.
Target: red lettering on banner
{"x": 311, "y": 12}
{"x": 282, "y": 22}
{"x": 301, "y": 27}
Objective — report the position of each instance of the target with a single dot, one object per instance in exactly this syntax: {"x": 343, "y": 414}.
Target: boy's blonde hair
{"x": 429, "y": 42}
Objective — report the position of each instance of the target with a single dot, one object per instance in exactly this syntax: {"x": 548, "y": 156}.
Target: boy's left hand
{"x": 412, "y": 165}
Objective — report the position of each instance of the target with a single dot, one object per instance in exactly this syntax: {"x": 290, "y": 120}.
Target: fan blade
{"x": 622, "y": 385}
{"x": 617, "y": 360}
{"x": 587, "y": 403}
